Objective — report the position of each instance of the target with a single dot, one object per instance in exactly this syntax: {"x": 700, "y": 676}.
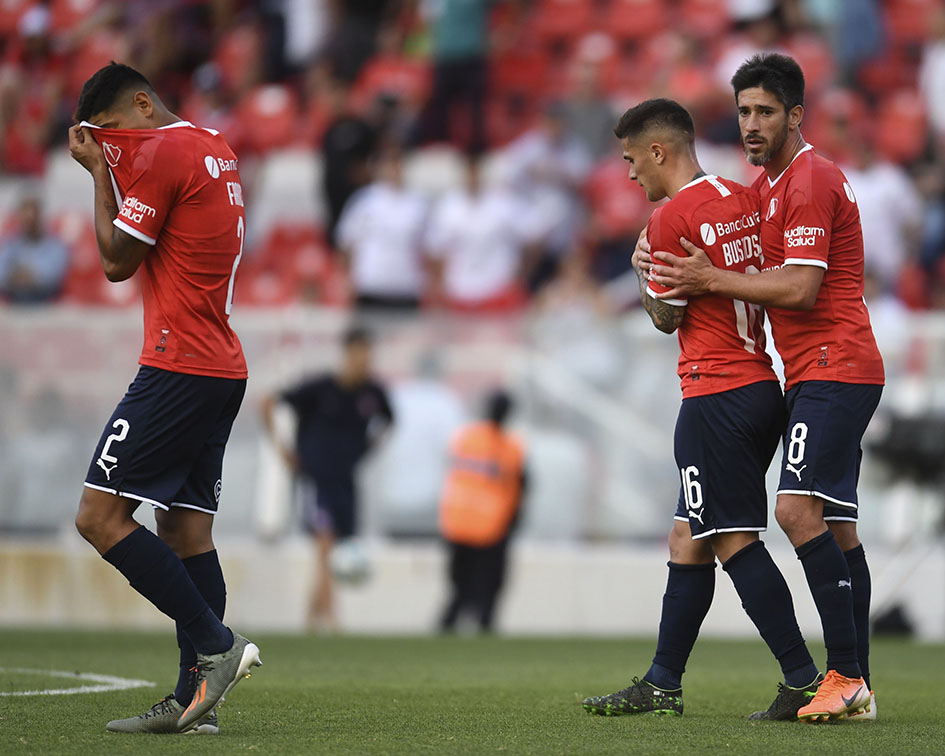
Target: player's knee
{"x": 88, "y": 522}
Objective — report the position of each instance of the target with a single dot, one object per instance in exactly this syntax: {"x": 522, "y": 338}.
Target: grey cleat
{"x": 216, "y": 675}
{"x": 162, "y": 719}
{"x": 789, "y": 700}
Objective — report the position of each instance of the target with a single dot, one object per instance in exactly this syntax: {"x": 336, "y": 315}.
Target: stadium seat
{"x": 901, "y": 128}
{"x": 814, "y": 58}
{"x": 66, "y": 14}
{"x": 96, "y": 51}
{"x": 912, "y": 288}
{"x": 909, "y": 21}
{"x": 632, "y": 20}
{"x": 238, "y": 55}
{"x": 562, "y": 21}
{"x": 10, "y": 12}
{"x": 617, "y": 207}
{"x": 704, "y": 19}
{"x": 406, "y": 78}
{"x": 268, "y": 117}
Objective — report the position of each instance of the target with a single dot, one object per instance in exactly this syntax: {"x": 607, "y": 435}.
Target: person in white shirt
{"x": 380, "y": 235}
{"x": 477, "y": 234}
{"x": 547, "y": 167}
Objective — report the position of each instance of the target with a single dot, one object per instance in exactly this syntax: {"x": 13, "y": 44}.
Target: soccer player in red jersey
{"x": 729, "y": 425}
{"x": 812, "y": 287}
{"x": 168, "y": 201}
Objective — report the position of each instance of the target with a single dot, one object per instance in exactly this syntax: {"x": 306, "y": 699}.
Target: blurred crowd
{"x": 524, "y": 93}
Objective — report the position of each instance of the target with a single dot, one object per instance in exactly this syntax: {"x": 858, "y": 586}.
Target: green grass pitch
{"x": 366, "y": 695}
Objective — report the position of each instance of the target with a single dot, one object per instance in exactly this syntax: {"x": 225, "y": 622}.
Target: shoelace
{"x": 161, "y": 707}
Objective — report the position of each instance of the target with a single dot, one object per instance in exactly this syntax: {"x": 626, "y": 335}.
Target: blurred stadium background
{"x": 598, "y": 396}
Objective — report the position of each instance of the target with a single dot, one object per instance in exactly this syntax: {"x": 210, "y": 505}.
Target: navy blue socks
{"x": 862, "y": 588}
{"x": 767, "y": 601}
{"x": 156, "y": 572}
{"x": 829, "y": 579}
{"x": 204, "y": 570}
{"x": 688, "y": 596}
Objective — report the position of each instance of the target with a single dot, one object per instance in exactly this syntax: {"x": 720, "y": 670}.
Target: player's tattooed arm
{"x": 665, "y": 316}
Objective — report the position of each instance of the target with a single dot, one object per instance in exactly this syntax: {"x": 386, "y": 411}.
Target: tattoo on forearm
{"x": 665, "y": 317}
{"x": 111, "y": 207}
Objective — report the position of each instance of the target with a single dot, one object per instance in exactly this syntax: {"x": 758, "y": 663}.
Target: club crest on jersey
{"x": 112, "y": 154}
{"x": 708, "y": 233}
{"x": 772, "y": 208}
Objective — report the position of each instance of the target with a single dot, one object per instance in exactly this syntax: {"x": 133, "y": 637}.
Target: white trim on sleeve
{"x": 131, "y": 231}
{"x": 674, "y": 302}
{"x": 805, "y": 261}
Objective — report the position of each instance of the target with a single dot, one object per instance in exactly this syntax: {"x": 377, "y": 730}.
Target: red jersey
{"x": 721, "y": 341}
{"x": 180, "y": 192}
{"x": 810, "y": 217}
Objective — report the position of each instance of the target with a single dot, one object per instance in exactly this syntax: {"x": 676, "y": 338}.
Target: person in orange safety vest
{"x": 479, "y": 508}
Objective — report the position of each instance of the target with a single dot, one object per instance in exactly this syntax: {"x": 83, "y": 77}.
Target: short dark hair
{"x": 357, "y": 335}
{"x": 777, "y": 74}
{"x": 658, "y": 113}
{"x": 498, "y": 406}
{"x": 103, "y": 88}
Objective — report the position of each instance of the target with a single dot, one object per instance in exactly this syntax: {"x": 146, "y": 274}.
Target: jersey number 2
{"x": 240, "y": 228}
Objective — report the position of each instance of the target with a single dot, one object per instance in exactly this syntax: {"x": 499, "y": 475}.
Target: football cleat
{"x": 640, "y": 698}
{"x": 837, "y": 696}
{"x": 216, "y": 676}
{"x": 162, "y": 718}
{"x": 865, "y": 716}
{"x": 788, "y": 701}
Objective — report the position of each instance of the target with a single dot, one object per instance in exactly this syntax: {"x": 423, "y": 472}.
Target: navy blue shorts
{"x": 826, "y": 422}
{"x": 164, "y": 442}
{"x": 330, "y": 505}
{"x": 724, "y": 444}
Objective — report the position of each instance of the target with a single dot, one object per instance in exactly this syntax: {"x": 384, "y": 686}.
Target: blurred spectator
{"x": 854, "y": 29}
{"x": 587, "y": 113}
{"x": 31, "y": 84}
{"x": 890, "y": 211}
{"x": 33, "y": 262}
{"x": 459, "y": 31}
{"x": 758, "y": 28}
{"x": 355, "y": 29}
{"x": 352, "y": 137}
{"x": 547, "y": 167}
{"x": 341, "y": 416}
{"x": 932, "y": 78}
{"x": 380, "y": 235}
{"x": 479, "y": 509}
{"x": 477, "y": 234}
{"x": 574, "y": 323}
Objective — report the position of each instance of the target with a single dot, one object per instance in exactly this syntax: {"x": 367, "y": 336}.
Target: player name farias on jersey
{"x": 721, "y": 341}
{"x": 179, "y": 191}
{"x": 813, "y": 219}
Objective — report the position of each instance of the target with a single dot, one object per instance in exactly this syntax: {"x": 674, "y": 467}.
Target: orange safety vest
{"x": 483, "y": 486}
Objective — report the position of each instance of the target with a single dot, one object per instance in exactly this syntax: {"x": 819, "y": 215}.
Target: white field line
{"x": 105, "y": 682}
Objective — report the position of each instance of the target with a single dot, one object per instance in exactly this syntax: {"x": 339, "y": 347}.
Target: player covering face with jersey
{"x": 168, "y": 206}
{"x": 812, "y": 286}
{"x": 729, "y": 424}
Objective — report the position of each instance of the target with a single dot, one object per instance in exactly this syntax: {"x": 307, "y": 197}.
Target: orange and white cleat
{"x": 837, "y": 697}
{"x": 865, "y": 716}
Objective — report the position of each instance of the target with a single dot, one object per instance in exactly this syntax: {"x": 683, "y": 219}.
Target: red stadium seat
{"x": 268, "y": 117}
{"x": 238, "y": 55}
{"x": 910, "y": 21}
{"x": 10, "y": 12}
{"x": 901, "y": 127}
{"x": 635, "y": 19}
{"x": 618, "y": 206}
{"x": 704, "y": 19}
{"x": 405, "y": 78}
{"x": 562, "y": 20}
{"x": 66, "y": 14}
{"x": 912, "y": 288}
{"x": 98, "y": 50}
{"x": 814, "y": 58}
